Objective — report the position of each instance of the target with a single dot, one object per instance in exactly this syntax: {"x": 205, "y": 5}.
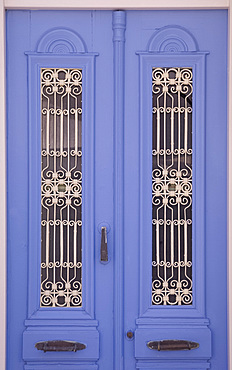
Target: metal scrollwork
{"x": 172, "y": 186}
{"x": 61, "y": 187}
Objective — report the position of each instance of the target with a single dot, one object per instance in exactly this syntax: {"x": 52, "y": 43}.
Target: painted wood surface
{"x": 117, "y": 163}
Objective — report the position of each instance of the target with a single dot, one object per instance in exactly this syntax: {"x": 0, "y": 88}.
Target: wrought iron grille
{"x": 61, "y": 187}
{"x": 172, "y": 186}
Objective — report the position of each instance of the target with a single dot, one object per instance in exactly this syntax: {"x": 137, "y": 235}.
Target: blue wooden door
{"x": 175, "y": 208}
{"x": 117, "y": 190}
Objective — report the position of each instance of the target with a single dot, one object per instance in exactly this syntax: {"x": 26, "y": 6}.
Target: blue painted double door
{"x": 146, "y": 142}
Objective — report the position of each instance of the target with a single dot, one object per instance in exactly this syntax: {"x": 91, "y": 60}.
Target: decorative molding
{"x": 177, "y": 322}
{"x": 116, "y": 4}
{"x": 173, "y": 365}
{"x": 119, "y": 27}
{"x": 172, "y": 39}
{"x": 61, "y": 323}
{"x": 85, "y": 62}
{"x": 63, "y": 365}
{"x": 197, "y": 62}
{"x": 61, "y": 41}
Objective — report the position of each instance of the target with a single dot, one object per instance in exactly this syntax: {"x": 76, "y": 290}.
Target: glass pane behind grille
{"x": 61, "y": 187}
{"x": 172, "y": 186}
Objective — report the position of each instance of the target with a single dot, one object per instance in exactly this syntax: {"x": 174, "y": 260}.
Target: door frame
{"x": 103, "y": 4}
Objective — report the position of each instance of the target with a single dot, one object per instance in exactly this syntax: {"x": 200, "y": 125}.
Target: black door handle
{"x": 104, "y": 248}
{"x": 59, "y": 346}
{"x": 172, "y": 345}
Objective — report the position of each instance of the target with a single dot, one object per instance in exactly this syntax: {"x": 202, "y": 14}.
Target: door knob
{"x": 59, "y": 346}
{"x": 172, "y": 345}
{"x": 104, "y": 248}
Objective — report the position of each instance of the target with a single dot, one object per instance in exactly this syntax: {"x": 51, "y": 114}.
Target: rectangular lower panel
{"x": 90, "y": 338}
{"x": 199, "y": 335}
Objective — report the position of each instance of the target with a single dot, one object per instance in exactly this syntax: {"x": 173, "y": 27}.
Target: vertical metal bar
{"x": 172, "y": 130}
{"x": 178, "y": 183}
{"x": 68, "y": 209}
{"x": 185, "y": 157}
{"x": 47, "y": 244}
{"x": 76, "y": 131}
{"x": 165, "y": 182}
{"x": 185, "y": 242}
{"x": 55, "y": 182}
{"x": 158, "y": 130}
{"x": 119, "y": 26}
{"x": 61, "y": 246}
{"x": 157, "y": 242}
{"x": 186, "y": 130}
{"x": 172, "y": 243}
{"x": 75, "y": 244}
{"x": 47, "y": 135}
{"x": 61, "y": 131}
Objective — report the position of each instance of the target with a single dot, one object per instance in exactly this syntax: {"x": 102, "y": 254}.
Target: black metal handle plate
{"x": 59, "y": 346}
{"x": 104, "y": 248}
{"x": 172, "y": 345}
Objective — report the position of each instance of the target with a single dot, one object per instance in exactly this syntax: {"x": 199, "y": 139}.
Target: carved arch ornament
{"x": 61, "y": 41}
{"x": 172, "y": 39}
{"x": 166, "y": 39}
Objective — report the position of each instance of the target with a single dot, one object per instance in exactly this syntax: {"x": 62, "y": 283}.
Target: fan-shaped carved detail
{"x": 61, "y": 41}
{"x": 172, "y": 39}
